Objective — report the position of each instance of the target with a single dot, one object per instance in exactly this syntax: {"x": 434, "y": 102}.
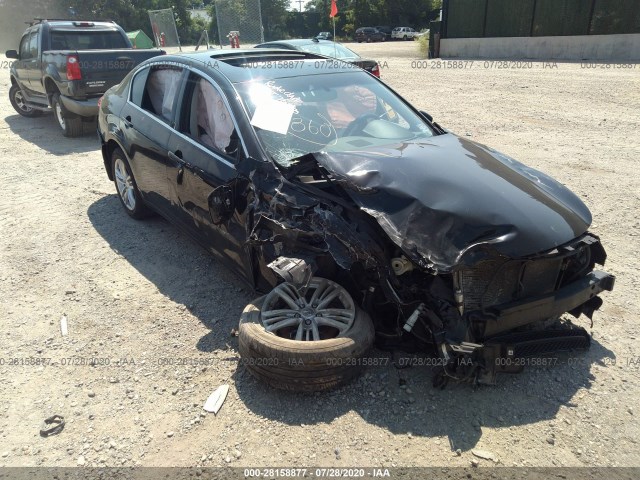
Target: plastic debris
{"x": 63, "y": 326}
{"x": 216, "y": 399}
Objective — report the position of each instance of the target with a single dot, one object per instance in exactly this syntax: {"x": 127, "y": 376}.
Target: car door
{"x": 148, "y": 118}
{"x": 206, "y": 190}
{"x": 33, "y": 66}
{"x": 24, "y": 63}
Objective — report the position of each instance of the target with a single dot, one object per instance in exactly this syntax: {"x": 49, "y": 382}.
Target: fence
{"x": 524, "y": 18}
{"x": 163, "y": 26}
{"x": 243, "y": 16}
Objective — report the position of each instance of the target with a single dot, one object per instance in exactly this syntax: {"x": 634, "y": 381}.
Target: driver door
{"x": 208, "y": 197}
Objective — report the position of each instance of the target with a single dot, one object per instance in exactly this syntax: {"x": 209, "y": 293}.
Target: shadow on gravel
{"x": 458, "y": 413}
{"x": 188, "y": 275}
{"x": 41, "y": 130}
{"x": 180, "y": 269}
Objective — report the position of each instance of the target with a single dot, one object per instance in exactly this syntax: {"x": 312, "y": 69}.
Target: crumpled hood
{"x": 438, "y": 197}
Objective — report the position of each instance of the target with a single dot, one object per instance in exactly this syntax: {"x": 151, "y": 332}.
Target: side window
{"x": 25, "y": 52}
{"x": 33, "y": 44}
{"x": 161, "y": 90}
{"x": 137, "y": 86}
{"x": 206, "y": 118}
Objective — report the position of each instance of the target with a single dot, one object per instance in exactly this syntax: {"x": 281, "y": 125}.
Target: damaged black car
{"x": 359, "y": 218}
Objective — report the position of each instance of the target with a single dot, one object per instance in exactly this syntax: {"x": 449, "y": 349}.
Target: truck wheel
{"x": 70, "y": 123}
{"x": 126, "y": 186}
{"x": 305, "y": 343}
{"x": 18, "y": 103}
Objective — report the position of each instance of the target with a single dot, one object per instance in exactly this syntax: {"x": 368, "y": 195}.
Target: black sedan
{"x": 357, "y": 216}
{"x": 326, "y": 48}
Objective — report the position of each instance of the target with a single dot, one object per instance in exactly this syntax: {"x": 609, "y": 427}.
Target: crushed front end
{"x": 492, "y": 312}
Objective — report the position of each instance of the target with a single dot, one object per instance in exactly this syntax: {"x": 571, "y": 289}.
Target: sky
{"x": 295, "y": 5}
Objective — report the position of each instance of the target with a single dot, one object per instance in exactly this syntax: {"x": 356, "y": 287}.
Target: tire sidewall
{"x": 354, "y": 342}
{"x": 29, "y": 114}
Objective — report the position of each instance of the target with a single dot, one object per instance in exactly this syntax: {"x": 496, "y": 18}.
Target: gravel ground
{"x": 143, "y": 298}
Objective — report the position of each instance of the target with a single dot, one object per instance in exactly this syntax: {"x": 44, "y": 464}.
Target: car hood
{"x": 440, "y": 197}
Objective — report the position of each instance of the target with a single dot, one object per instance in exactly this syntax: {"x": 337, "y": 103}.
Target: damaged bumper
{"x": 576, "y": 298}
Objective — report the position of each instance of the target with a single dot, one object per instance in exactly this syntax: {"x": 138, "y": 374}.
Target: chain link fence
{"x": 524, "y": 18}
{"x": 163, "y": 26}
{"x": 242, "y": 16}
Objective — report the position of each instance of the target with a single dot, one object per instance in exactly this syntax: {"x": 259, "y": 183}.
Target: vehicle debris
{"x": 216, "y": 399}
{"x": 52, "y": 426}
{"x": 63, "y": 326}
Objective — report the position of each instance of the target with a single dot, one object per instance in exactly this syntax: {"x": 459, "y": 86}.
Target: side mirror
{"x": 426, "y": 115}
{"x": 12, "y": 54}
{"x": 221, "y": 204}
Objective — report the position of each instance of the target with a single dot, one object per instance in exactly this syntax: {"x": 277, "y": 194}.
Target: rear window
{"x": 87, "y": 40}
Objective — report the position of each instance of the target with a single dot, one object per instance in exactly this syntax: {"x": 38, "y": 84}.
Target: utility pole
{"x": 300, "y": 2}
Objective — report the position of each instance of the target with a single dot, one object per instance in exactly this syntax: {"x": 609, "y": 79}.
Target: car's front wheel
{"x": 126, "y": 186}
{"x": 70, "y": 123}
{"x": 308, "y": 341}
{"x": 18, "y": 102}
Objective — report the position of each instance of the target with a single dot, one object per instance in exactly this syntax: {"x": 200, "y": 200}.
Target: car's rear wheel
{"x": 18, "y": 102}
{"x": 70, "y": 123}
{"x": 305, "y": 342}
{"x": 126, "y": 186}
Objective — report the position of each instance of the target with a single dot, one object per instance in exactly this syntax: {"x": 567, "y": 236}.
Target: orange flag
{"x": 334, "y": 9}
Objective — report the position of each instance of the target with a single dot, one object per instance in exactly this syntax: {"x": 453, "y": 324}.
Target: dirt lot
{"x": 143, "y": 298}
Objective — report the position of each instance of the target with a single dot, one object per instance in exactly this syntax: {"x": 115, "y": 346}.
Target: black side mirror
{"x": 221, "y": 204}
{"x": 12, "y": 54}
{"x": 426, "y": 115}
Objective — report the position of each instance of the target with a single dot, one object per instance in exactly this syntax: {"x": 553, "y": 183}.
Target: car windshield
{"x": 341, "y": 112}
{"x": 329, "y": 50}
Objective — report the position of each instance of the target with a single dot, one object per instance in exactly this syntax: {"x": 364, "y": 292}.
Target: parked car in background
{"x": 369, "y": 34}
{"x": 325, "y": 36}
{"x": 66, "y": 66}
{"x": 355, "y": 214}
{"x": 385, "y": 29}
{"x": 328, "y": 49}
{"x": 403, "y": 33}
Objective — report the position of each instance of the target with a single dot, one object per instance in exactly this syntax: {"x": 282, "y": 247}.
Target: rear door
{"x": 148, "y": 119}
{"x": 204, "y": 183}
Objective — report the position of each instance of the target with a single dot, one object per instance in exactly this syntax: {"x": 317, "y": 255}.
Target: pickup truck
{"x": 66, "y": 66}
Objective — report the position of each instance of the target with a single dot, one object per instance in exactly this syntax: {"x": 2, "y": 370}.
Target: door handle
{"x": 177, "y": 157}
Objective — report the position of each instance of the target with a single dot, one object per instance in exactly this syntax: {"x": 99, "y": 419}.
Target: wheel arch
{"x": 108, "y": 148}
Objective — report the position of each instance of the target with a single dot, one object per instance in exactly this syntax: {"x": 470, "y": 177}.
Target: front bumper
{"x": 83, "y": 108}
{"x": 575, "y": 298}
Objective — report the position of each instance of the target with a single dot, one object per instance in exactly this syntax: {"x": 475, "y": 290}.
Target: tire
{"x": 70, "y": 123}
{"x": 16, "y": 98}
{"x": 126, "y": 187}
{"x": 302, "y": 366}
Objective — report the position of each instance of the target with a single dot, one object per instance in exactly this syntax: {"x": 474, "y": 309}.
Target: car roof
{"x": 243, "y": 65}
{"x": 80, "y": 25}
{"x": 295, "y": 42}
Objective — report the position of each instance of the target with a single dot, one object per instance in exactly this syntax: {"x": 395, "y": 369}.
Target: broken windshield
{"x": 342, "y": 112}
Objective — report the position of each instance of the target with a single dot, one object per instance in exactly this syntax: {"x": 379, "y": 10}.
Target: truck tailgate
{"x": 102, "y": 69}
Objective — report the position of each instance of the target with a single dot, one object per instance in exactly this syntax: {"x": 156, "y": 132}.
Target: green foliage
{"x": 423, "y": 45}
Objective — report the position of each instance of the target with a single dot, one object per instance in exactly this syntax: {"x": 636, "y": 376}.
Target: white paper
{"x": 274, "y": 116}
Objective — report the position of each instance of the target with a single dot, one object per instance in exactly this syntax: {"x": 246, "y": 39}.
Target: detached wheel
{"x": 126, "y": 186}
{"x": 18, "y": 102}
{"x": 70, "y": 123}
{"x": 305, "y": 343}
